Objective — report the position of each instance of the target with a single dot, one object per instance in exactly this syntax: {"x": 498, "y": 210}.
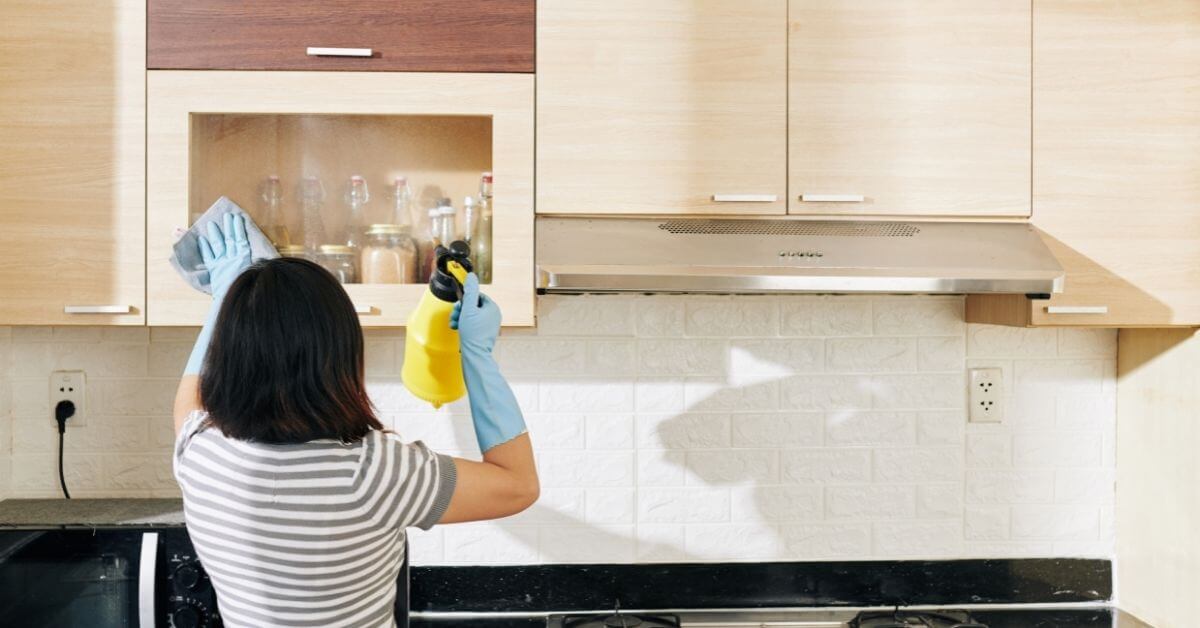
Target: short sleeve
{"x": 427, "y": 483}
{"x": 192, "y": 425}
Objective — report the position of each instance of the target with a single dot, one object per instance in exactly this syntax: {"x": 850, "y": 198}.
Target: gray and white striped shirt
{"x": 310, "y": 534}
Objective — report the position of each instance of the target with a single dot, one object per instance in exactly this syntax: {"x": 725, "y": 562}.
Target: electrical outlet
{"x": 985, "y": 395}
{"x": 71, "y": 386}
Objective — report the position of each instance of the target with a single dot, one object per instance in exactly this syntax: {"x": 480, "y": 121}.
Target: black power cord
{"x": 63, "y": 411}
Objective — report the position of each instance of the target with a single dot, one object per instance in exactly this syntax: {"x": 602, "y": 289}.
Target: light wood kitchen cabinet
{"x": 213, "y": 134}
{"x": 666, "y": 107}
{"x": 1116, "y": 164}
{"x": 909, "y": 107}
{"x": 72, "y": 160}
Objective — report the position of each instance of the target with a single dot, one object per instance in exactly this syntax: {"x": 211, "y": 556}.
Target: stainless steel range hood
{"x": 736, "y": 256}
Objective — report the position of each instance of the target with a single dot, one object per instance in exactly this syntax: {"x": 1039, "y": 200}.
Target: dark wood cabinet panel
{"x": 403, "y": 35}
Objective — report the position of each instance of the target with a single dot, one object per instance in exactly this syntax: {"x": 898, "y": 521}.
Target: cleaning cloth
{"x": 186, "y": 256}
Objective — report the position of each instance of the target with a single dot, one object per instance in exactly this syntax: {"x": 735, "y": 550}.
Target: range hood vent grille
{"x": 791, "y": 228}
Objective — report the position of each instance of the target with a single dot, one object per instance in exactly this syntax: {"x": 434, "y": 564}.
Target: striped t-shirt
{"x": 310, "y": 534}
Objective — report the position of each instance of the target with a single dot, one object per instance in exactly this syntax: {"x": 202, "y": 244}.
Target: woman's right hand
{"x": 476, "y": 317}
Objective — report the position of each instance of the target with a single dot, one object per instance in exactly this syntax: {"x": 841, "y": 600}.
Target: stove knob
{"x": 187, "y": 617}
{"x": 186, "y": 578}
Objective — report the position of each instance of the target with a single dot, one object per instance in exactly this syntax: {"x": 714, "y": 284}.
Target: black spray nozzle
{"x": 443, "y": 283}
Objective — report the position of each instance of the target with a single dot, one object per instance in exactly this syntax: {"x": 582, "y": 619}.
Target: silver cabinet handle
{"x": 832, "y": 198}
{"x": 1077, "y": 309}
{"x": 745, "y": 198}
{"x": 98, "y": 309}
{"x": 364, "y": 309}
{"x": 147, "y": 566}
{"x": 314, "y": 51}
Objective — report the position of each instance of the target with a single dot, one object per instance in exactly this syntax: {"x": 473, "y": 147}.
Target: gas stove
{"x": 895, "y": 618}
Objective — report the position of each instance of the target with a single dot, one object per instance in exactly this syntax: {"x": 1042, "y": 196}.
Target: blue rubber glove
{"x": 494, "y": 408}
{"x": 226, "y": 253}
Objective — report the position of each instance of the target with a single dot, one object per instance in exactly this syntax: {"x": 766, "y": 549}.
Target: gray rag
{"x": 186, "y": 256}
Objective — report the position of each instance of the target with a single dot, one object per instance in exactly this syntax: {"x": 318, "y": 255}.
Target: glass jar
{"x": 389, "y": 255}
{"x": 339, "y": 259}
{"x": 292, "y": 250}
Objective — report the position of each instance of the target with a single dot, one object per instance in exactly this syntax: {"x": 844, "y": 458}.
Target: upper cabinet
{"x": 664, "y": 107}
{"x": 909, "y": 107}
{"x": 362, "y": 35}
{"x": 1116, "y": 175}
{"x": 72, "y": 160}
{"x": 363, "y": 173}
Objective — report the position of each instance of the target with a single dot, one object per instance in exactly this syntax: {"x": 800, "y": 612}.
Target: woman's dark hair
{"x": 286, "y": 360}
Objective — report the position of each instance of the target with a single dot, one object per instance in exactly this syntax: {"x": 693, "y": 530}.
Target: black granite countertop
{"x": 90, "y": 513}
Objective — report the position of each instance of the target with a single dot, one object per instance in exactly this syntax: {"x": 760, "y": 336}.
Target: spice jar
{"x": 389, "y": 255}
{"x": 339, "y": 260}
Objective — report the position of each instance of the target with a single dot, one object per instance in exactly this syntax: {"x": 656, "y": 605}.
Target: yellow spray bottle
{"x": 432, "y": 368}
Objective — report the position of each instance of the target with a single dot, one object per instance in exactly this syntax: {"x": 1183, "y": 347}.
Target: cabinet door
{"x": 213, "y": 134}
{"x": 665, "y": 107}
{"x": 72, "y": 160}
{"x": 372, "y": 35}
{"x": 1116, "y": 163}
{"x": 909, "y": 107}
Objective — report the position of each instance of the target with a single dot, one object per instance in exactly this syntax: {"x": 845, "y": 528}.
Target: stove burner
{"x": 622, "y": 621}
{"x": 617, "y": 619}
{"x": 910, "y": 619}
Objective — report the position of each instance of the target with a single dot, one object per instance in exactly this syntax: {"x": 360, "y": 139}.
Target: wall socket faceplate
{"x": 985, "y": 395}
{"x": 72, "y": 386}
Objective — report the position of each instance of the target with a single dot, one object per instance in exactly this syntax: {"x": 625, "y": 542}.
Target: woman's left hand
{"x": 226, "y": 252}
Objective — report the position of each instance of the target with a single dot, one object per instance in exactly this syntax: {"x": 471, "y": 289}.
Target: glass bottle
{"x": 356, "y": 199}
{"x": 389, "y": 255}
{"x": 402, "y": 202}
{"x": 470, "y": 218}
{"x": 449, "y": 231}
{"x": 312, "y": 197}
{"x": 339, "y": 260}
{"x": 481, "y": 245}
{"x": 433, "y": 238}
{"x": 270, "y": 196}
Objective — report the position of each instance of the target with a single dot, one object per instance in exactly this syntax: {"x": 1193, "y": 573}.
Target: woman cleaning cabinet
{"x": 296, "y": 498}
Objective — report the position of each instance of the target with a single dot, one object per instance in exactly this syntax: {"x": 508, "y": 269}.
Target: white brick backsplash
{"x": 610, "y": 505}
{"x": 918, "y": 465}
{"x": 821, "y": 316}
{"x": 868, "y": 355}
{"x": 732, "y": 541}
{"x": 491, "y": 543}
{"x": 986, "y": 523}
{"x": 989, "y": 450}
{"x": 723, "y": 317}
{"x": 586, "y": 469}
{"x": 870, "y": 502}
{"x": 940, "y": 354}
{"x": 609, "y": 431}
{"x": 791, "y": 429}
{"x": 918, "y": 316}
{"x": 683, "y": 431}
{"x": 1010, "y": 486}
{"x": 824, "y": 466}
{"x": 740, "y": 466}
{"x": 764, "y": 502}
{"x": 681, "y": 356}
{"x": 825, "y": 541}
{"x": 1084, "y": 342}
{"x": 683, "y": 505}
{"x": 591, "y": 544}
{"x": 936, "y": 501}
{"x": 919, "y": 538}
{"x": 1056, "y": 449}
{"x": 719, "y": 395}
{"x": 775, "y": 357}
{"x": 682, "y": 428}
{"x": 659, "y": 317}
{"x": 940, "y": 427}
{"x": 1000, "y": 341}
{"x": 853, "y": 427}
{"x": 588, "y": 315}
{"x": 1056, "y": 522}
{"x": 825, "y": 392}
